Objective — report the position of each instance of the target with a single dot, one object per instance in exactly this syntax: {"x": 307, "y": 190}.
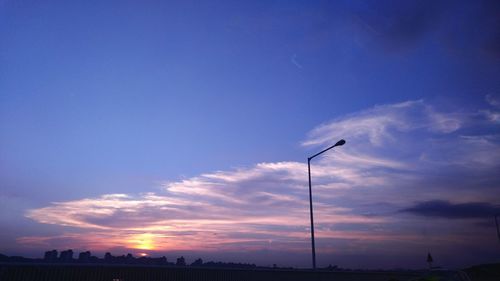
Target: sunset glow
{"x": 142, "y": 242}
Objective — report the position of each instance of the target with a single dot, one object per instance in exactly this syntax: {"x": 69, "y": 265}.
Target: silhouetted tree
{"x": 180, "y": 261}
{"x": 198, "y": 262}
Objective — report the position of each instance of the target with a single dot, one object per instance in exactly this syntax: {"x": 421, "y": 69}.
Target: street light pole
{"x": 311, "y": 213}
{"x": 339, "y": 143}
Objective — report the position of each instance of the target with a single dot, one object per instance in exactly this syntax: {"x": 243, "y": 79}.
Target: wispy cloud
{"x": 492, "y": 114}
{"x": 293, "y": 59}
{"x": 210, "y": 211}
{"x": 492, "y": 100}
{"x": 382, "y": 124}
{"x": 396, "y": 154}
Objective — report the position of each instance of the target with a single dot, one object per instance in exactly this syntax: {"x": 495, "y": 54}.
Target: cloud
{"x": 208, "y": 212}
{"x": 373, "y": 123}
{"x": 445, "y": 209}
{"x": 379, "y": 125}
{"x": 293, "y": 59}
{"x": 492, "y": 115}
{"x": 395, "y": 154}
{"x": 492, "y": 100}
{"x": 403, "y": 26}
{"x": 399, "y": 26}
{"x": 490, "y": 26}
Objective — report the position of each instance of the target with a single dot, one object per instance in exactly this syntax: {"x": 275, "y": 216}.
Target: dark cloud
{"x": 400, "y": 25}
{"x": 472, "y": 28}
{"x": 411, "y": 24}
{"x": 461, "y": 27}
{"x": 445, "y": 209}
{"x": 490, "y": 19}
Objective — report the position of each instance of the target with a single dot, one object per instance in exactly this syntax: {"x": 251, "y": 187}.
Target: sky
{"x": 183, "y": 128}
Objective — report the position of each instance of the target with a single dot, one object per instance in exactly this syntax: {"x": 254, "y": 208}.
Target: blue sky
{"x": 144, "y": 124}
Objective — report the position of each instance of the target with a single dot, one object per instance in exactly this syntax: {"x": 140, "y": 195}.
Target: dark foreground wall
{"x": 45, "y": 272}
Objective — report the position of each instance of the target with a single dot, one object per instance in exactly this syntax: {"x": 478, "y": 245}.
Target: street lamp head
{"x": 340, "y": 142}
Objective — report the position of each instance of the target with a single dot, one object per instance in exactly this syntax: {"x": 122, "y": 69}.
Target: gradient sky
{"x": 183, "y": 128}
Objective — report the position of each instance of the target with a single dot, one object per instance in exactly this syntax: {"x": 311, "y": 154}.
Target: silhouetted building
{"x": 130, "y": 258}
{"x": 332, "y": 267}
{"x": 50, "y": 256}
{"x": 94, "y": 259}
{"x": 84, "y": 256}
{"x": 66, "y": 256}
{"x": 162, "y": 261}
{"x": 180, "y": 261}
{"x": 108, "y": 257}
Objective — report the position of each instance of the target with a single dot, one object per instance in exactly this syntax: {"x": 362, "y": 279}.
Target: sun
{"x": 143, "y": 241}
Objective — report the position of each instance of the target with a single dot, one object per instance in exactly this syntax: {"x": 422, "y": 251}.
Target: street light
{"x": 339, "y": 143}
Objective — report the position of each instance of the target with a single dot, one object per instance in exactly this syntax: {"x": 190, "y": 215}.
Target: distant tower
{"x": 429, "y": 260}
